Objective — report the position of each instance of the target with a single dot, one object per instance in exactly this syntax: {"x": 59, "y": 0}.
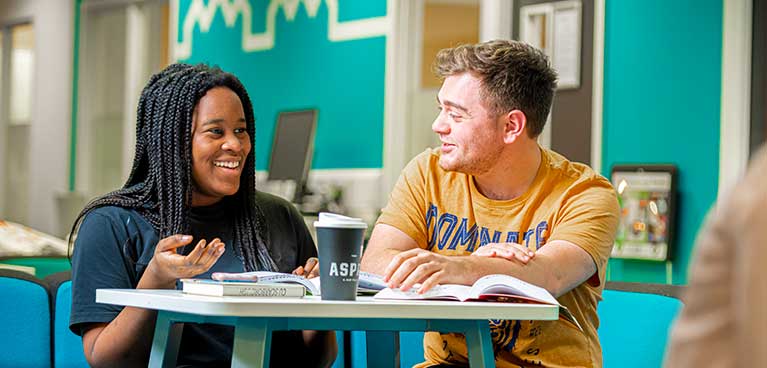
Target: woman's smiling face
{"x": 220, "y": 145}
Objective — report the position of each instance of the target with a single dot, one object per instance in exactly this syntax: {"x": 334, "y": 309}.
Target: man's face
{"x": 472, "y": 137}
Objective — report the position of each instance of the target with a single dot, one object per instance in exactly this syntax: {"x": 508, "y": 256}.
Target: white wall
{"x": 736, "y": 93}
{"x": 51, "y": 112}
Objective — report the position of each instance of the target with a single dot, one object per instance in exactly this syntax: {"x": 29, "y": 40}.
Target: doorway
{"x": 758, "y": 134}
{"x": 122, "y": 45}
{"x": 17, "y": 60}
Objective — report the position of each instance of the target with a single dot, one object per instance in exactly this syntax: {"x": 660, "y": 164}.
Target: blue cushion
{"x": 25, "y": 318}
{"x": 410, "y": 347}
{"x": 67, "y": 347}
{"x": 339, "y": 363}
{"x": 359, "y": 354}
{"x": 634, "y": 327}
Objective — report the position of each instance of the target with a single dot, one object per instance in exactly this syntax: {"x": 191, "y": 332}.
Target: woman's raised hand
{"x": 167, "y": 265}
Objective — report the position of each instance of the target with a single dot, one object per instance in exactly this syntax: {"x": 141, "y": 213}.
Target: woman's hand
{"x": 167, "y": 265}
{"x": 310, "y": 270}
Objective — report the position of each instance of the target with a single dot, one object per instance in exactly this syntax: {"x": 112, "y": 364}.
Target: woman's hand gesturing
{"x": 167, "y": 265}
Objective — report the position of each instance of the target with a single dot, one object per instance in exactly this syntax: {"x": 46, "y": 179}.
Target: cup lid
{"x": 328, "y": 219}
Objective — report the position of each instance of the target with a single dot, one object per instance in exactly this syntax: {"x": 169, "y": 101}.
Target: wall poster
{"x": 647, "y": 197}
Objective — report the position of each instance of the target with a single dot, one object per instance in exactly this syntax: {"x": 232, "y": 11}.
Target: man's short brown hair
{"x": 514, "y": 76}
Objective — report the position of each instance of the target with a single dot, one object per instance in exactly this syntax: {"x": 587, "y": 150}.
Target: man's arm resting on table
{"x": 558, "y": 267}
{"x": 385, "y": 242}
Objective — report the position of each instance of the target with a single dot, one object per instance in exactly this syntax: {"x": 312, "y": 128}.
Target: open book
{"x": 241, "y": 288}
{"x": 368, "y": 282}
{"x": 493, "y": 288}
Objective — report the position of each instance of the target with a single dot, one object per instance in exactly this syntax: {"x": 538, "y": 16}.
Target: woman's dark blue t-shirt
{"x": 114, "y": 246}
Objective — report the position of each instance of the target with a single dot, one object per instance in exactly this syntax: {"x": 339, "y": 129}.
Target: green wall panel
{"x": 304, "y": 69}
{"x": 662, "y": 89}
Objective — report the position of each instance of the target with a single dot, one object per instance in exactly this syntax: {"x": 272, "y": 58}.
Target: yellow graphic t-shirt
{"x": 445, "y": 213}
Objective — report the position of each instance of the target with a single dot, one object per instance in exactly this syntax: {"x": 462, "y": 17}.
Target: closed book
{"x": 239, "y": 288}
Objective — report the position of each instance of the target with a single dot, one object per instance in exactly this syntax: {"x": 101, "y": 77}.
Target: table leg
{"x": 167, "y": 337}
{"x": 480, "y": 345}
{"x": 252, "y": 343}
{"x": 382, "y": 349}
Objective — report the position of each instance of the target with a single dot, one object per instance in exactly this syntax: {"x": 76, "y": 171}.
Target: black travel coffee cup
{"x": 339, "y": 244}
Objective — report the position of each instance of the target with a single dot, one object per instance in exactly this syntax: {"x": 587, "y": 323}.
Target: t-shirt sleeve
{"x": 406, "y": 209}
{"x": 97, "y": 262}
{"x": 589, "y": 219}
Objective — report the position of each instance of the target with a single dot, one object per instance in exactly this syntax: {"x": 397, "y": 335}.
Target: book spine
{"x": 270, "y": 292}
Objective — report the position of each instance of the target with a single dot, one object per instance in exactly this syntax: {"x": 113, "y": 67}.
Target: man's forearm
{"x": 533, "y": 272}
{"x": 473, "y": 268}
{"x": 376, "y": 261}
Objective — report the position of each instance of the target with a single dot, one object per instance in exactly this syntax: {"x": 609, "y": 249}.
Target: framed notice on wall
{"x": 555, "y": 28}
{"x": 647, "y": 197}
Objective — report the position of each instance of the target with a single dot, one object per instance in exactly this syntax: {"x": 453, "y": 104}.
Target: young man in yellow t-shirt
{"x": 491, "y": 200}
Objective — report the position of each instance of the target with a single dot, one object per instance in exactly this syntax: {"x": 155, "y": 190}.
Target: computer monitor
{"x": 293, "y": 149}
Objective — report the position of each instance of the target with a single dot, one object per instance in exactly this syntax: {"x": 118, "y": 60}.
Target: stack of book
{"x": 270, "y": 284}
{"x": 242, "y": 288}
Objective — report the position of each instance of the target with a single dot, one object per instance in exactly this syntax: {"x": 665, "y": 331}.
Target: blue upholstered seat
{"x": 634, "y": 323}
{"x": 410, "y": 349}
{"x": 25, "y": 336}
{"x": 67, "y": 347}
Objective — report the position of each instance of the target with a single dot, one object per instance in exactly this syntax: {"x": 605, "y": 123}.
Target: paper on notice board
{"x": 567, "y": 46}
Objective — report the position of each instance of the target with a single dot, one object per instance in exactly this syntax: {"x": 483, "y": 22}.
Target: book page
{"x": 505, "y": 284}
{"x": 370, "y": 281}
{"x": 266, "y": 276}
{"x": 444, "y": 292}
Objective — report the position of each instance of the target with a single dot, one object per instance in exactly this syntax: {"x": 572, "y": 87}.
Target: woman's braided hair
{"x": 160, "y": 183}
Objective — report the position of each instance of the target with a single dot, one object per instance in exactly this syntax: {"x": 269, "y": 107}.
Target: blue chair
{"x": 340, "y": 358}
{"x": 410, "y": 352}
{"x": 634, "y": 323}
{"x": 410, "y": 348}
{"x": 67, "y": 347}
{"x": 25, "y": 317}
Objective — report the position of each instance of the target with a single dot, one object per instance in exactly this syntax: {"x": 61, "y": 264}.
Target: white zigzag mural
{"x": 201, "y": 14}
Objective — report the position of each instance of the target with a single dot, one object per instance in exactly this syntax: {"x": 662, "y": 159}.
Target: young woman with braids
{"x": 189, "y": 208}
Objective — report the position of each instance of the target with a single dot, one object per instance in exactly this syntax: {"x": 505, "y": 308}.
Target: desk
{"x": 255, "y": 318}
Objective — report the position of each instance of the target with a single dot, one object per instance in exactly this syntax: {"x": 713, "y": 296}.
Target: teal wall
{"x": 661, "y": 94}
{"x": 662, "y": 89}
{"x": 343, "y": 79}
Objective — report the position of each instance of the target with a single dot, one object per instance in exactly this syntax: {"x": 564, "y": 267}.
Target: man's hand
{"x": 167, "y": 265}
{"x": 310, "y": 270}
{"x": 425, "y": 267}
{"x": 510, "y": 251}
